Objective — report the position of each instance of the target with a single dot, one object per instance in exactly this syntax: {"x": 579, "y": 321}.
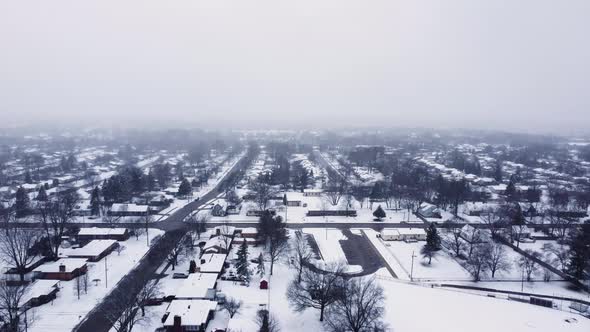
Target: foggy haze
{"x": 514, "y": 65}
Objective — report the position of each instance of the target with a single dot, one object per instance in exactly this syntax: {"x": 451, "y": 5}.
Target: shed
{"x": 263, "y": 284}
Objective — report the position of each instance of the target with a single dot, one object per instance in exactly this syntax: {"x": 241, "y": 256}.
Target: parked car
{"x": 179, "y": 276}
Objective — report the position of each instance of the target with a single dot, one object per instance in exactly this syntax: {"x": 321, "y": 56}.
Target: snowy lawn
{"x": 442, "y": 267}
{"x": 411, "y": 308}
{"x": 67, "y": 310}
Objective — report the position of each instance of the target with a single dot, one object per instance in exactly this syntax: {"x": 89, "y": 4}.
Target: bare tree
{"x": 317, "y": 289}
{"x": 473, "y": 237}
{"x": 198, "y": 222}
{"x": 14, "y": 248}
{"x": 302, "y": 255}
{"x": 121, "y": 308}
{"x": 267, "y": 322}
{"x": 333, "y": 194}
{"x": 453, "y": 240}
{"x": 278, "y": 247}
{"x": 232, "y": 306}
{"x": 476, "y": 264}
{"x": 495, "y": 219}
{"x": 263, "y": 192}
{"x": 78, "y": 286}
{"x": 559, "y": 223}
{"x": 528, "y": 263}
{"x": 560, "y": 255}
{"x": 496, "y": 258}
{"x": 10, "y": 303}
{"x": 60, "y": 214}
{"x": 176, "y": 253}
{"x": 360, "y": 309}
{"x": 273, "y": 232}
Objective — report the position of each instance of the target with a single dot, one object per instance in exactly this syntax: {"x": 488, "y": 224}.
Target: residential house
{"x": 94, "y": 251}
{"x": 39, "y": 292}
{"x": 198, "y": 286}
{"x": 312, "y": 192}
{"x": 218, "y": 210}
{"x": 189, "y": 315}
{"x": 212, "y": 263}
{"x": 128, "y": 210}
{"x": 64, "y": 269}
{"x": 96, "y": 233}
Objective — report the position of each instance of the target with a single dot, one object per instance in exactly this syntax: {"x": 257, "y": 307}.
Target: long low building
{"x": 128, "y": 210}
{"x": 403, "y": 234}
{"x": 94, "y": 251}
{"x": 63, "y": 269}
{"x": 98, "y": 233}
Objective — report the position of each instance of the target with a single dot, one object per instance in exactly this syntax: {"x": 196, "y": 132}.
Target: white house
{"x": 189, "y": 315}
{"x": 198, "y": 286}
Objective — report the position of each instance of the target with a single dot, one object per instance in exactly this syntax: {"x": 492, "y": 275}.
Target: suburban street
{"x": 133, "y": 282}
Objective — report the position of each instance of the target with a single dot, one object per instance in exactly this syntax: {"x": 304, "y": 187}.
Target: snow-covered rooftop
{"x": 191, "y": 312}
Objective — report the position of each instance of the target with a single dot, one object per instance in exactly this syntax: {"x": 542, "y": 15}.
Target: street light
{"x": 412, "y": 269}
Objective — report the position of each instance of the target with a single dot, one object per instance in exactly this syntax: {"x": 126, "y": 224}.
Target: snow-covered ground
{"x": 67, "y": 310}
{"x": 413, "y": 308}
{"x": 442, "y": 267}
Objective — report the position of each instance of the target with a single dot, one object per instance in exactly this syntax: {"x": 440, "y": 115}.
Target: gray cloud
{"x": 514, "y": 65}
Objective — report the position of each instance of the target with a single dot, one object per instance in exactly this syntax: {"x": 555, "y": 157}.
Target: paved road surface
{"x": 96, "y": 321}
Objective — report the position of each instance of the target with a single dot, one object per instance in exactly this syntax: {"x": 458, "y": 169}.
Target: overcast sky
{"x": 508, "y": 64}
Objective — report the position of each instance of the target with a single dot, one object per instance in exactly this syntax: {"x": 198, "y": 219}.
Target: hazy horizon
{"x": 505, "y": 65}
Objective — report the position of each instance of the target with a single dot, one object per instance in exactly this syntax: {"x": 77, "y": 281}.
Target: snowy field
{"x": 442, "y": 267}
{"x": 67, "y": 310}
{"x": 412, "y": 308}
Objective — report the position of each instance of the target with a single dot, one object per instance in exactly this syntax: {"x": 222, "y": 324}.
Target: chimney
{"x": 177, "y": 327}
{"x": 62, "y": 268}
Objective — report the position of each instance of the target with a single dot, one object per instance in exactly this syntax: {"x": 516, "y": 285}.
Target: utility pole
{"x": 412, "y": 269}
{"x": 147, "y": 235}
{"x": 522, "y": 280}
{"x": 106, "y": 279}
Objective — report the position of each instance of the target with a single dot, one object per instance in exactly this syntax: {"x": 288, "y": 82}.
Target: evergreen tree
{"x": 260, "y": 269}
{"x": 150, "y": 181}
{"x": 379, "y": 213}
{"x": 510, "y": 191}
{"x": 28, "y": 178}
{"x": 95, "y": 202}
{"x": 185, "y": 188}
{"x": 498, "y": 171}
{"x": 22, "y": 202}
{"x": 432, "y": 237}
{"x": 41, "y": 195}
{"x": 242, "y": 263}
{"x": 579, "y": 254}
{"x": 518, "y": 216}
{"x": 192, "y": 267}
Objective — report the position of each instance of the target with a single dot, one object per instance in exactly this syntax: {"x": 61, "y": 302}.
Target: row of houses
{"x": 195, "y": 300}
